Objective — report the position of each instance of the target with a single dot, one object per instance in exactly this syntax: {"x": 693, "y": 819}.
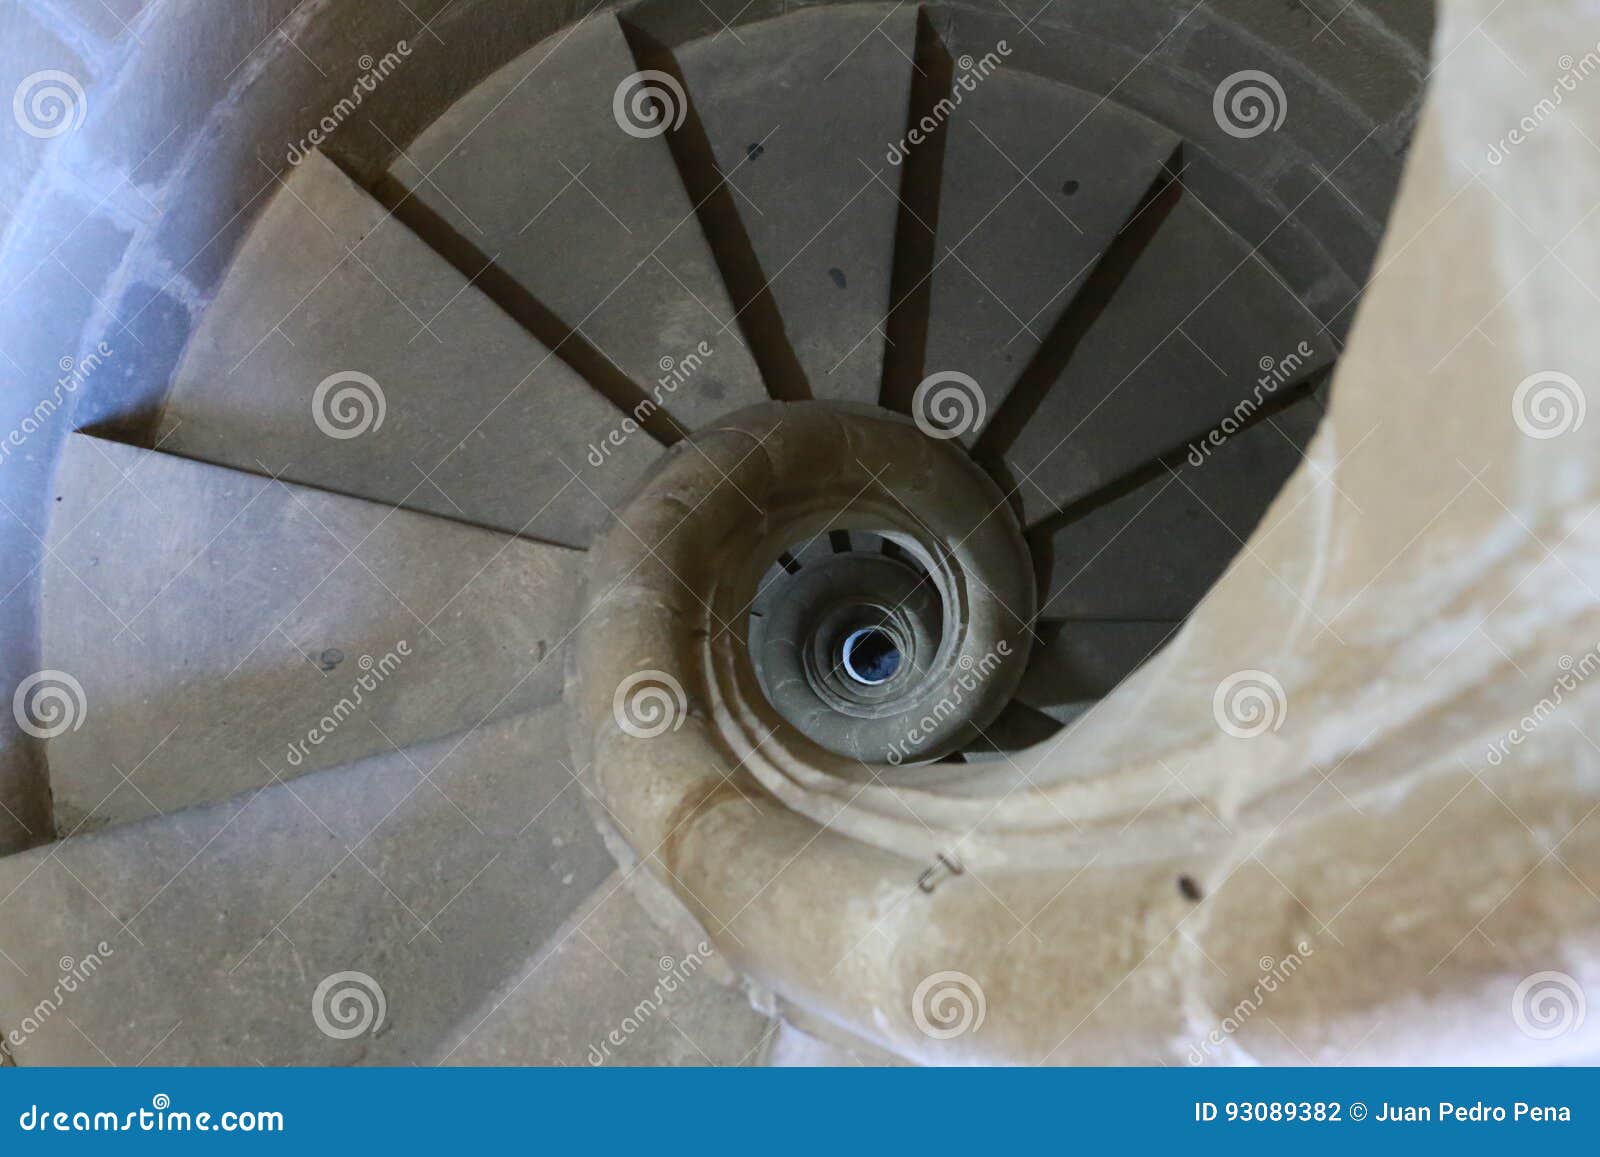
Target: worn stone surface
{"x": 610, "y": 988}
{"x": 1076, "y": 663}
{"x": 436, "y": 872}
{"x": 1038, "y": 180}
{"x": 593, "y": 221}
{"x": 1117, "y": 560}
{"x": 330, "y": 284}
{"x": 1194, "y": 324}
{"x": 226, "y": 628}
{"x": 801, "y": 111}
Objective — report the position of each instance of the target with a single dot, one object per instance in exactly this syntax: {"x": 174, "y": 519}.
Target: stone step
{"x": 1116, "y": 560}
{"x": 1077, "y": 663}
{"x": 206, "y": 936}
{"x": 343, "y": 352}
{"x": 542, "y": 168}
{"x": 800, "y": 112}
{"x": 611, "y": 988}
{"x": 223, "y": 628}
{"x": 1193, "y": 331}
{"x": 1038, "y": 179}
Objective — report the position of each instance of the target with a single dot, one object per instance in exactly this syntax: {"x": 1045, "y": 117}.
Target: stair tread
{"x": 480, "y": 421}
{"x": 612, "y": 988}
{"x": 1075, "y": 664}
{"x": 591, "y": 220}
{"x": 821, "y": 224}
{"x": 1014, "y": 245}
{"x": 1185, "y": 340}
{"x": 1118, "y": 559}
{"x": 214, "y": 618}
{"x": 223, "y": 919}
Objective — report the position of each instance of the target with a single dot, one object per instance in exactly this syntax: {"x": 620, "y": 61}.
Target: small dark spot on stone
{"x": 1069, "y": 188}
{"x": 754, "y": 151}
{"x": 1189, "y": 889}
{"x": 330, "y": 658}
{"x": 838, "y": 276}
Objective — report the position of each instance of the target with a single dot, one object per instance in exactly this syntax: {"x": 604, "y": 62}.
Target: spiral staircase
{"x": 905, "y": 354}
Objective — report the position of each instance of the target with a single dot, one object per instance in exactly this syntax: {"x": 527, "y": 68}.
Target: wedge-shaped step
{"x": 223, "y": 628}
{"x": 801, "y": 112}
{"x": 1117, "y": 560}
{"x": 1198, "y": 331}
{"x": 342, "y": 352}
{"x": 250, "y": 931}
{"x": 1076, "y": 664}
{"x": 1038, "y": 179}
{"x": 550, "y": 168}
{"x": 611, "y": 988}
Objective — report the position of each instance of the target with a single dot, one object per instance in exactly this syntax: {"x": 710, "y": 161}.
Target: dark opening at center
{"x": 871, "y": 656}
